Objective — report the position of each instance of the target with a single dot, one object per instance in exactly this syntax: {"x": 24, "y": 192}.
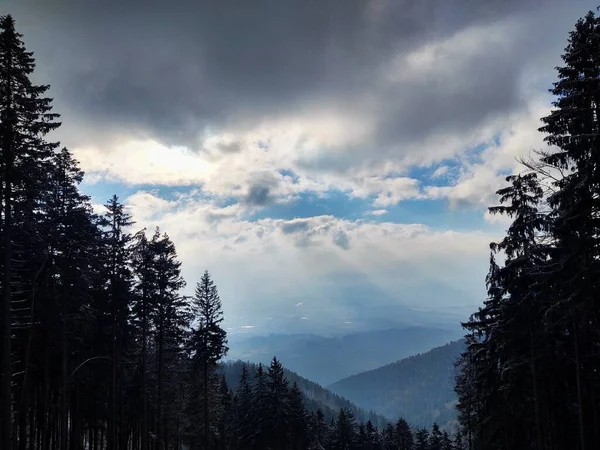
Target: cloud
{"x": 341, "y": 240}
{"x": 260, "y": 190}
{"x": 256, "y": 106}
{"x": 341, "y": 259}
{"x": 479, "y": 180}
{"x": 440, "y": 172}
{"x": 372, "y": 89}
{"x": 228, "y": 148}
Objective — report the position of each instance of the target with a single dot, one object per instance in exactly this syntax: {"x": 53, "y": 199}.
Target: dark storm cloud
{"x": 295, "y": 227}
{"x": 168, "y": 70}
{"x": 341, "y": 240}
{"x": 260, "y": 189}
{"x": 259, "y": 195}
{"x": 233, "y": 147}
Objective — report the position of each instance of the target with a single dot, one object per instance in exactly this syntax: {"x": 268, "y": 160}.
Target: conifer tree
{"x": 388, "y": 437}
{"x": 244, "y": 411}
{"x": 344, "y": 434}
{"x": 446, "y": 441}
{"x": 458, "y": 442}
{"x": 422, "y": 439}
{"x": 528, "y": 377}
{"x": 373, "y": 441}
{"x": 435, "y": 438}
{"x": 208, "y": 346}
{"x": 573, "y": 131}
{"x": 120, "y": 279}
{"x": 404, "y": 437}
{"x": 25, "y": 118}
{"x": 277, "y": 411}
{"x": 319, "y": 430}
{"x": 225, "y": 416}
{"x": 298, "y": 421}
{"x": 260, "y": 401}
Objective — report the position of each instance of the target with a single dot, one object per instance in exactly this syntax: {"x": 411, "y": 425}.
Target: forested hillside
{"x": 419, "y": 388}
{"x": 315, "y": 396}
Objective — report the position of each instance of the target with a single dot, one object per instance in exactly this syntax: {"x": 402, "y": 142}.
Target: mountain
{"x": 419, "y": 388}
{"x": 326, "y": 359}
{"x": 315, "y": 396}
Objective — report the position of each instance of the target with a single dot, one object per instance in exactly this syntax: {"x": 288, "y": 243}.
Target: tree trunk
{"x": 206, "y": 412}
{"x": 112, "y": 420}
{"x": 5, "y": 366}
{"x": 580, "y": 393}
{"x": 23, "y": 426}
{"x": 64, "y": 394}
{"x": 159, "y": 406}
{"x": 144, "y": 393}
{"x": 46, "y": 396}
{"x": 536, "y": 397}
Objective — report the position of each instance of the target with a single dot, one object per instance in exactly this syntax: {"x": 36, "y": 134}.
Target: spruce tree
{"x": 25, "y": 118}
{"x": 573, "y": 131}
{"x": 277, "y": 409}
{"x": 344, "y": 433}
{"x": 388, "y": 437}
{"x": 244, "y": 396}
{"x": 458, "y": 443}
{"x": 319, "y": 430}
{"x": 422, "y": 439}
{"x": 208, "y": 345}
{"x": 298, "y": 421}
{"x": 119, "y": 275}
{"x": 373, "y": 441}
{"x": 259, "y": 416}
{"x": 404, "y": 437}
{"x": 446, "y": 441}
{"x": 528, "y": 377}
{"x": 435, "y": 438}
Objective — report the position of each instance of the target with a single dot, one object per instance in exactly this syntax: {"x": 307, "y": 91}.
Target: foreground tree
{"x": 208, "y": 345}
{"x": 529, "y": 376}
{"x": 25, "y": 118}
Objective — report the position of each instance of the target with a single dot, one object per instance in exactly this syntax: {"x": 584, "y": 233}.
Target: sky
{"x": 329, "y": 162}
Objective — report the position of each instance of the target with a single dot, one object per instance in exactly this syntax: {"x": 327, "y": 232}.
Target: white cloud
{"x": 378, "y": 212}
{"x": 263, "y": 259}
{"x": 387, "y": 191}
{"x": 478, "y": 182}
{"x": 444, "y": 58}
{"x": 497, "y": 219}
{"x": 440, "y": 172}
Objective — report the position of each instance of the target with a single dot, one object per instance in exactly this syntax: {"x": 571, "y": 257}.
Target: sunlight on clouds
{"x": 388, "y": 191}
{"x": 263, "y": 258}
{"x": 144, "y": 162}
{"x": 445, "y": 58}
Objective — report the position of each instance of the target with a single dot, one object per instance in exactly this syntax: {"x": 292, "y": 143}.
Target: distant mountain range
{"x": 328, "y": 359}
{"x": 315, "y": 396}
{"x": 419, "y": 388}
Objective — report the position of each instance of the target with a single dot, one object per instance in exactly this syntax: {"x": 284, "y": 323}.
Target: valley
{"x": 326, "y": 360}
{"x": 380, "y": 375}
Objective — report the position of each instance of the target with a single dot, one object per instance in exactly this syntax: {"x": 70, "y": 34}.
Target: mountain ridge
{"x": 326, "y": 359}
{"x": 419, "y": 388}
{"x": 315, "y": 395}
